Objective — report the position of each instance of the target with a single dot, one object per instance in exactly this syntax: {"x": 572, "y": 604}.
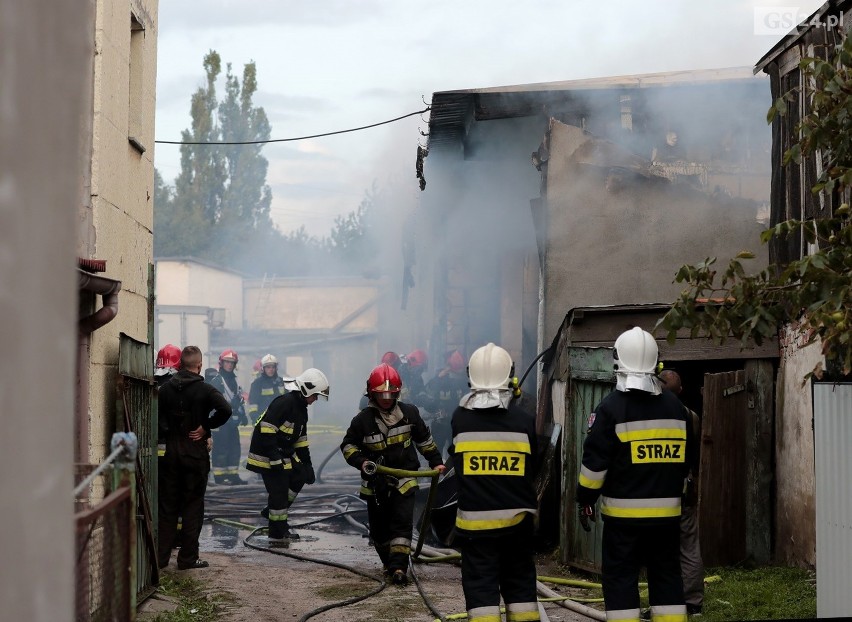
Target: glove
{"x": 586, "y": 514}
{"x": 310, "y": 476}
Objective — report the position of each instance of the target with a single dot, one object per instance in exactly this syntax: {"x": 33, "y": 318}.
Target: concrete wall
{"x": 795, "y": 535}
{"x": 310, "y": 304}
{"x": 122, "y": 179}
{"x": 181, "y": 282}
{"x": 44, "y": 102}
{"x": 615, "y": 234}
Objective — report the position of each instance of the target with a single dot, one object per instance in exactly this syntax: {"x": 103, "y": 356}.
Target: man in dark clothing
{"x": 691, "y": 565}
{"x": 189, "y": 408}
{"x": 382, "y": 433}
{"x": 636, "y": 457}
{"x": 226, "y": 440}
{"x": 494, "y": 453}
{"x": 279, "y": 450}
{"x": 441, "y": 397}
{"x": 266, "y": 387}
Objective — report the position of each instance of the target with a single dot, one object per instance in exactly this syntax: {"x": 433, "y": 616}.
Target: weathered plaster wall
{"x": 795, "y": 509}
{"x": 616, "y": 235}
{"x": 121, "y": 193}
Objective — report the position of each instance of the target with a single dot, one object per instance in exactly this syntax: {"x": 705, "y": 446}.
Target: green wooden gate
{"x": 137, "y": 412}
{"x": 590, "y": 379}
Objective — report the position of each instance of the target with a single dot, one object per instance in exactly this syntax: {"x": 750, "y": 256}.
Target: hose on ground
{"x": 589, "y": 612}
{"x": 324, "y": 562}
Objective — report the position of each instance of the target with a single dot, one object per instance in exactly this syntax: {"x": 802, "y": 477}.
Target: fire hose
{"x": 371, "y": 468}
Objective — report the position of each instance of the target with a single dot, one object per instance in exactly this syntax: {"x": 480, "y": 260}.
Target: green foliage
{"x": 219, "y": 208}
{"x": 768, "y": 593}
{"x": 816, "y": 290}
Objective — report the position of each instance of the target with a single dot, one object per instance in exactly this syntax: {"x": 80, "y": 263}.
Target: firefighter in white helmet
{"x": 635, "y": 459}
{"x": 266, "y": 387}
{"x": 279, "y": 449}
{"x": 494, "y": 456}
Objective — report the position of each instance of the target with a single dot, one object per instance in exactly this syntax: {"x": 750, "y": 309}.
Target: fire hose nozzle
{"x": 369, "y": 467}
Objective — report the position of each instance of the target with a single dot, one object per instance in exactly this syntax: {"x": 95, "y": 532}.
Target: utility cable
{"x": 287, "y": 140}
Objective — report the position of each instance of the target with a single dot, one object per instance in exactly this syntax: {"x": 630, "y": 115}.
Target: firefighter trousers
{"x": 226, "y": 450}
{"x": 503, "y": 564}
{"x": 280, "y": 495}
{"x": 391, "y": 517}
{"x": 182, "y": 482}
{"x": 626, "y": 548}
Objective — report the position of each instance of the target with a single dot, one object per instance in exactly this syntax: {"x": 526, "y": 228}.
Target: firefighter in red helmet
{"x": 226, "y": 440}
{"x": 442, "y": 394}
{"x": 382, "y": 433}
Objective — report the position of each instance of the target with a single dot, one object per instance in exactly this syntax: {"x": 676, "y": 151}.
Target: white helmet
{"x": 313, "y": 382}
{"x": 490, "y": 367}
{"x": 635, "y": 352}
{"x": 269, "y": 359}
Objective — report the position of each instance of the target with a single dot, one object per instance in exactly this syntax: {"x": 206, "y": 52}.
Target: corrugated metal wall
{"x": 591, "y": 379}
{"x": 833, "y": 465}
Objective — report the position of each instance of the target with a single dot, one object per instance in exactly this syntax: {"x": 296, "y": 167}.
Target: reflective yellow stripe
{"x": 522, "y": 616}
{"x": 408, "y": 485}
{"x": 650, "y": 429}
{"x": 252, "y": 408}
{"x": 523, "y": 447}
{"x": 623, "y": 615}
{"x": 269, "y": 391}
{"x": 257, "y": 463}
{"x": 675, "y": 617}
{"x": 472, "y": 523}
{"x": 590, "y": 483}
{"x": 286, "y": 427}
{"x": 349, "y": 451}
{"x": 641, "y": 508}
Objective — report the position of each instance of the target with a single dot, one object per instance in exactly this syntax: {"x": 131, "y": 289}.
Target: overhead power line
{"x": 286, "y": 140}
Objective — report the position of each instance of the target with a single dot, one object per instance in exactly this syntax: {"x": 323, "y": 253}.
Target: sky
{"x": 328, "y": 65}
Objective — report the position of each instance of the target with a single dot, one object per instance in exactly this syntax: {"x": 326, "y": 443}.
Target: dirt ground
{"x": 265, "y": 586}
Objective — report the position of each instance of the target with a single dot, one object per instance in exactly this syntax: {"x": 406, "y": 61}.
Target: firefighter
{"x": 411, "y": 368}
{"x": 279, "y": 450}
{"x": 494, "y": 454}
{"x": 635, "y": 458}
{"x": 442, "y": 395}
{"x": 386, "y": 432}
{"x": 190, "y": 408}
{"x": 266, "y": 387}
{"x": 226, "y": 440}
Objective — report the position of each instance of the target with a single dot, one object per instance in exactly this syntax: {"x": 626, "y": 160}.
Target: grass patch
{"x": 194, "y": 602}
{"x": 766, "y": 593}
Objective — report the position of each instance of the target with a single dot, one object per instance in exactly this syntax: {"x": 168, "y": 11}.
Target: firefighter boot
{"x": 399, "y": 578}
{"x": 290, "y": 535}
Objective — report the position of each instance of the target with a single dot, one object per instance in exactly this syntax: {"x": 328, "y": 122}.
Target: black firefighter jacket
{"x": 494, "y": 455}
{"x": 186, "y": 402}
{"x": 280, "y": 436}
{"x": 636, "y": 457}
{"x": 263, "y": 390}
{"x": 368, "y": 438}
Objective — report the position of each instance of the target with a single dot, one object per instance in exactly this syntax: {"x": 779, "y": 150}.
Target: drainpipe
{"x": 108, "y": 290}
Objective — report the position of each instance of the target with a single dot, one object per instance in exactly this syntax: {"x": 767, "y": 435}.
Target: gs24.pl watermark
{"x": 781, "y": 20}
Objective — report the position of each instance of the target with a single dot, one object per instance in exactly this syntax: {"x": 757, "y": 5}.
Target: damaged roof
{"x": 453, "y": 111}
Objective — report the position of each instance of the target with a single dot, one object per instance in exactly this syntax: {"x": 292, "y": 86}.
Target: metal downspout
{"x": 108, "y": 289}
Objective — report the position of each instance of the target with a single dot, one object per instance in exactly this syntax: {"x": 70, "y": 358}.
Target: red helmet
{"x": 257, "y": 367}
{"x": 392, "y": 359}
{"x": 168, "y": 357}
{"x": 384, "y": 379}
{"x": 229, "y": 355}
{"x": 455, "y": 361}
{"x": 417, "y": 359}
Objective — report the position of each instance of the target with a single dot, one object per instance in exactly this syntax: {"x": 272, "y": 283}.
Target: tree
{"x": 349, "y": 240}
{"x": 816, "y": 289}
{"x": 219, "y": 209}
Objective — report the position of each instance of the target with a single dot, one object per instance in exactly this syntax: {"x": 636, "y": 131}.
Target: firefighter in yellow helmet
{"x": 494, "y": 455}
{"x": 635, "y": 458}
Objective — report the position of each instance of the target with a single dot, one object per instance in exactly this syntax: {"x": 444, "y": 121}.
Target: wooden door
{"x": 724, "y": 467}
